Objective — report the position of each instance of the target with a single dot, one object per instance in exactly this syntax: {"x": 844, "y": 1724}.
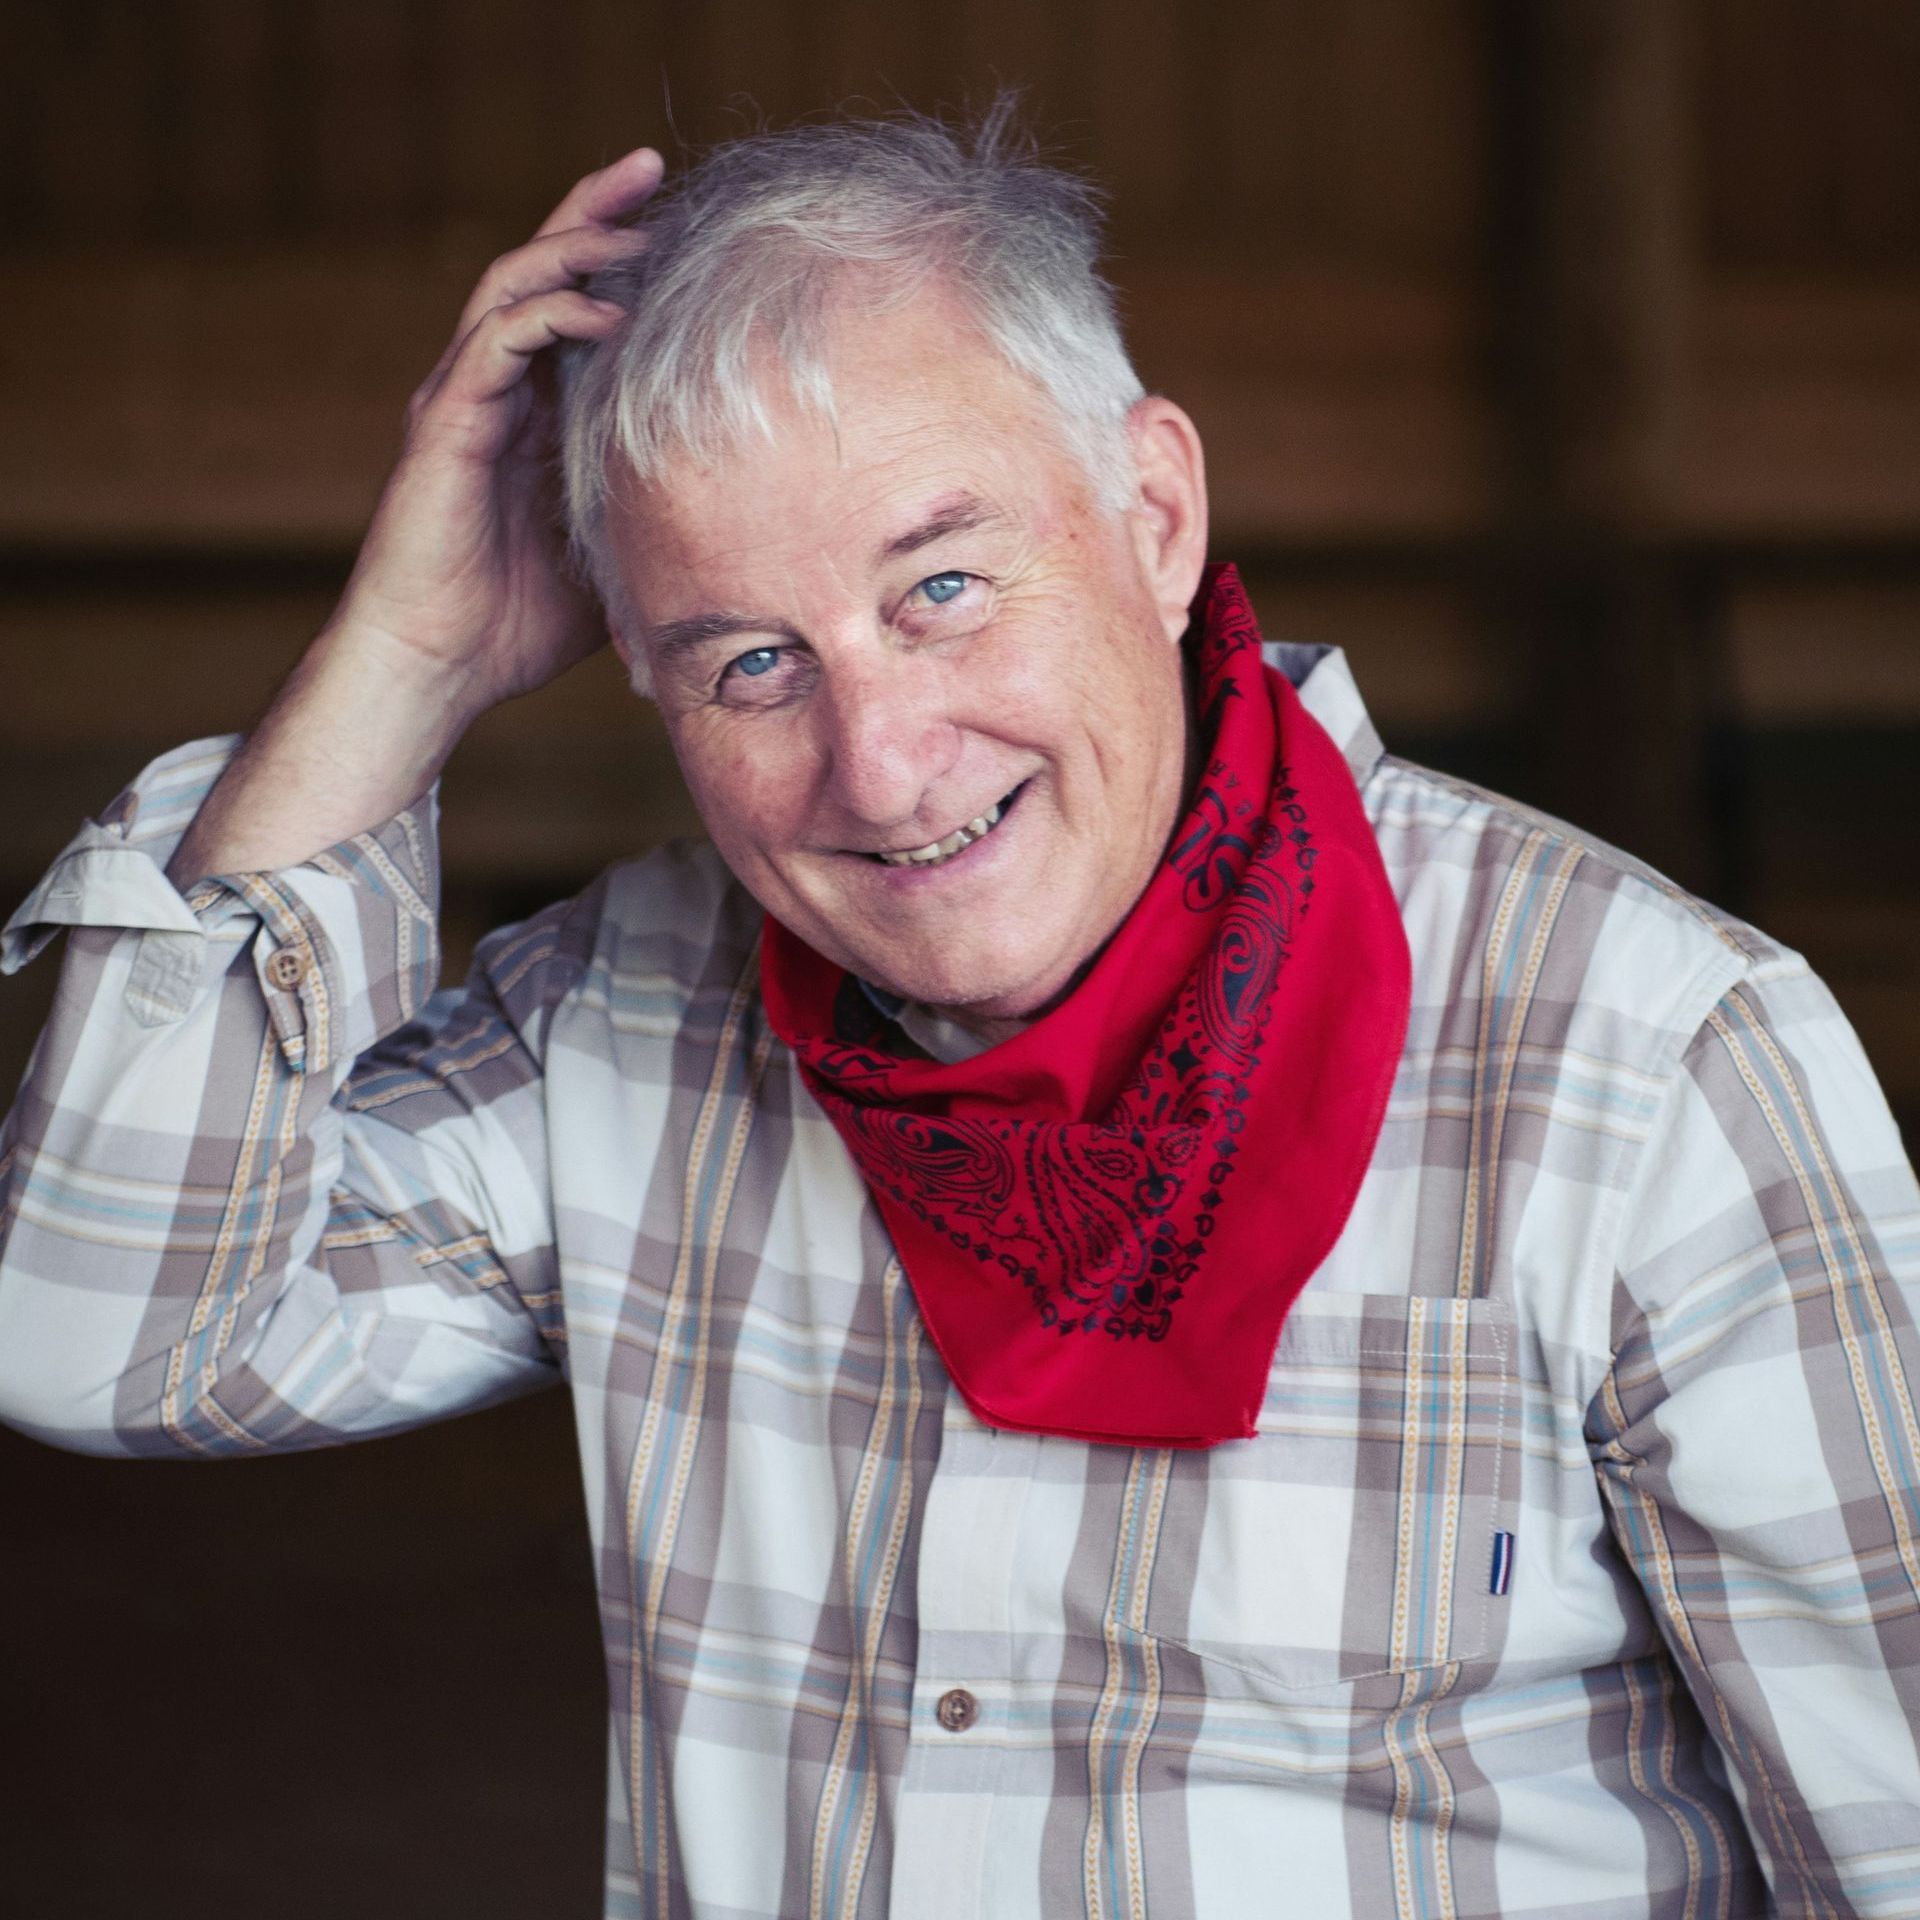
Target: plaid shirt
{"x": 1575, "y": 1569}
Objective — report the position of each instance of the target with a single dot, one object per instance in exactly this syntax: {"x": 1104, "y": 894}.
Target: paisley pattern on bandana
{"x": 1094, "y": 1265}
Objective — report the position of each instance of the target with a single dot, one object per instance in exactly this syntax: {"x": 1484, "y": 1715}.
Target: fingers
{"x": 544, "y": 264}
{"x": 494, "y": 356}
{"x": 527, "y": 300}
{"x": 607, "y": 195}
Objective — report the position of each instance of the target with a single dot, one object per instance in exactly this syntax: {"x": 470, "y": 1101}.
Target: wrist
{"x": 360, "y": 730}
{"x": 359, "y": 669}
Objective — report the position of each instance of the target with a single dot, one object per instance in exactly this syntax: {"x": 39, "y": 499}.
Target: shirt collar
{"x": 1325, "y": 684}
{"x": 933, "y": 1033}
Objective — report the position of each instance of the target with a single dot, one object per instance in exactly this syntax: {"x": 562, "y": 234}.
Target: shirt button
{"x": 957, "y": 1710}
{"x": 287, "y": 967}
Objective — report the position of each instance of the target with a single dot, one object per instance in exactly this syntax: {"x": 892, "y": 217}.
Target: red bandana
{"x": 1105, "y": 1218}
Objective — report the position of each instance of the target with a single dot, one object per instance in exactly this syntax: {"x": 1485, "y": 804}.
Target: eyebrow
{"x": 673, "y": 639}
{"x": 959, "y": 513}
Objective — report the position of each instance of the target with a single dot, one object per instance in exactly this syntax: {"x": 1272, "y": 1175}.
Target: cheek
{"x": 1046, "y": 658}
{"x": 750, "y": 794}
{"x": 1110, "y": 690}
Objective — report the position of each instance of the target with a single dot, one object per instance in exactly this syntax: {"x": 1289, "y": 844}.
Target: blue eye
{"x": 760, "y": 660}
{"x": 942, "y": 587}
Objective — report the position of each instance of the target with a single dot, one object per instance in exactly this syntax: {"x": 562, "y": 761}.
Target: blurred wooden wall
{"x": 1561, "y": 358}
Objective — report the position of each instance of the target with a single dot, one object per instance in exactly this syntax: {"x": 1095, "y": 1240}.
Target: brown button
{"x": 957, "y": 1710}
{"x": 287, "y": 968}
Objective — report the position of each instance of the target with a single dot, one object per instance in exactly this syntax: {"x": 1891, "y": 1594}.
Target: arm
{"x": 460, "y": 597}
{"x": 1757, "y": 1437}
{"x": 259, "y": 1190}
{"x": 241, "y": 1210}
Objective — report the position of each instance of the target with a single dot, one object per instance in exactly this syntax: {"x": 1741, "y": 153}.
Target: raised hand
{"x": 460, "y": 597}
{"x": 462, "y": 563}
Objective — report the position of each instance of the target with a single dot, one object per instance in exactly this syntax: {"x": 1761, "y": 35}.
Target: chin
{"x": 997, "y": 986}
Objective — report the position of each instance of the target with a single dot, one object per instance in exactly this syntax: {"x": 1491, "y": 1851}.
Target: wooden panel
{"x": 1825, "y": 653}
{"x": 1873, "y": 101}
{"x": 619, "y": 80}
{"x": 1868, "y": 953}
{"x": 1401, "y": 130}
{"x": 1298, "y": 181}
{"x": 1810, "y": 144}
{"x": 1422, "y": 652}
{"x": 1141, "y": 149}
{"x": 1301, "y": 129}
{"x": 562, "y": 783}
{"x": 159, "y": 666}
{"x": 365, "y": 117}
{"x": 230, "y": 142}
{"x": 245, "y": 399}
{"x": 21, "y": 210}
{"x": 499, "y": 70}
{"x": 227, "y": 400}
{"x": 242, "y": 400}
{"x": 1018, "y": 44}
{"x": 884, "y": 50}
{"x": 755, "y": 60}
{"x": 99, "y": 682}
{"x": 1332, "y": 406}
{"x": 1330, "y": 130}
{"x": 1803, "y": 414}
{"x": 558, "y": 784}
{"x": 1755, "y": 81}
{"x": 1339, "y": 132}
{"x": 419, "y": 1608}
{"x": 1259, "y": 130}
{"x": 90, "y": 113}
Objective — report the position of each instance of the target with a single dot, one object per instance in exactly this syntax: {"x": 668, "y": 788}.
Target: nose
{"x": 890, "y": 737}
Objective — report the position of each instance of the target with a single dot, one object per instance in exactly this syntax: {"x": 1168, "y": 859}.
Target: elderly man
{"x": 1167, "y": 1315}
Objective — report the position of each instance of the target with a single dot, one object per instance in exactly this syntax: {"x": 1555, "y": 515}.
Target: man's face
{"x": 874, "y": 639}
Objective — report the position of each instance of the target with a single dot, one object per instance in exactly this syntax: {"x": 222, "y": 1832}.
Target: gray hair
{"x": 747, "y": 247}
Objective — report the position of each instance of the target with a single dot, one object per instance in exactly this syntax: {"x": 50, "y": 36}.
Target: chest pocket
{"x": 1360, "y": 1537}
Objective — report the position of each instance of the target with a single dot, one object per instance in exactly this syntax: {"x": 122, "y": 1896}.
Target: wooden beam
{"x": 1594, "y": 304}
{"x": 220, "y": 400}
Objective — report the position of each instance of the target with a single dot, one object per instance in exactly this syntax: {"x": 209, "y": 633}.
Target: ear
{"x": 633, "y": 657}
{"x": 628, "y": 649}
{"x": 1169, "y": 513}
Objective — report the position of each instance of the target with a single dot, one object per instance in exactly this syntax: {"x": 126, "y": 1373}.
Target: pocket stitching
{"x": 1499, "y": 1344}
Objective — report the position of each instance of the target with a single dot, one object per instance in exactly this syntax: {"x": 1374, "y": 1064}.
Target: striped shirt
{"x": 1574, "y": 1569}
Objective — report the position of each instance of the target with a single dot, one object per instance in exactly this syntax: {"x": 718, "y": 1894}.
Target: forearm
{"x": 361, "y": 728}
{"x": 203, "y": 1245}
{"x": 171, "y": 1171}
{"x": 461, "y": 596}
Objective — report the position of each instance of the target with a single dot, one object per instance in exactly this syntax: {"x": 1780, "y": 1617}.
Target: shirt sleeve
{"x": 261, "y": 1187}
{"x": 1757, "y": 1441}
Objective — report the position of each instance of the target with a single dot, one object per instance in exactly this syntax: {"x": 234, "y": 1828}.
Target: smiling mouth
{"x": 938, "y": 852}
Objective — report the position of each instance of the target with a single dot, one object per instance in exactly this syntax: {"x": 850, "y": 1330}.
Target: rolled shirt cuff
{"x": 345, "y": 945}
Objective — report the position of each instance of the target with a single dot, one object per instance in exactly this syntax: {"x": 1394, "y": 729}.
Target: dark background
{"x": 1560, "y": 358}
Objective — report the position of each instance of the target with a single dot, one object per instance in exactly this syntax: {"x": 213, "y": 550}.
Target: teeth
{"x": 947, "y": 848}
